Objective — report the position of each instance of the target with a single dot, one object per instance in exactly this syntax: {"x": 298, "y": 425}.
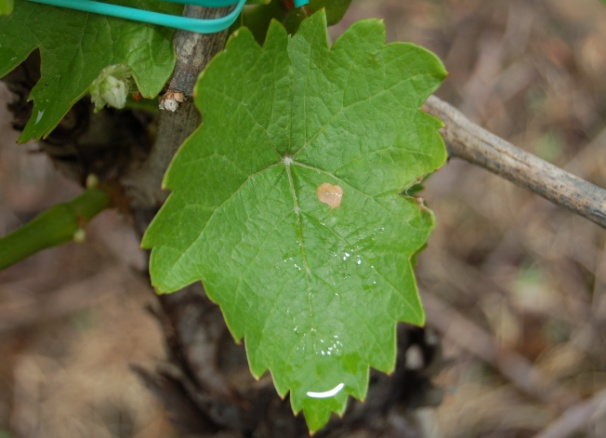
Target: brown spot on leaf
{"x": 330, "y": 195}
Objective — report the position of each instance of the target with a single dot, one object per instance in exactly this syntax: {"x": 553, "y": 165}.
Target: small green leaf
{"x": 257, "y": 19}
{"x": 111, "y": 87}
{"x": 335, "y": 9}
{"x": 6, "y": 7}
{"x": 313, "y": 276}
{"x": 75, "y": 47}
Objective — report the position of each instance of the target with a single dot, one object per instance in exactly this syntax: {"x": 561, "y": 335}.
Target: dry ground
{"x": 514, "y": 286}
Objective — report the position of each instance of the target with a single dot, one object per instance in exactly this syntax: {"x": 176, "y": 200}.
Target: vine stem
{"x": 576, "y": 418}
{"x": 57, "y": 225}
{"x": 192, "y": 386}
{"x": 476, "y": 145}
{"x": 193, "y": 51}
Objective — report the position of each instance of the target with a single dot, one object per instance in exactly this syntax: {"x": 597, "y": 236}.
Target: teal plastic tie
{"x": 185, "y": 23}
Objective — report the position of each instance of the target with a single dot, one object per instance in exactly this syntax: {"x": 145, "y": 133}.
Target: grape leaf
{"x": 335, "y": 9}
{"x": 315, "y": 282}
{"x": 75, "y": 47}
{"x": 257, "y": 19}
{"x": 6, "y": 7}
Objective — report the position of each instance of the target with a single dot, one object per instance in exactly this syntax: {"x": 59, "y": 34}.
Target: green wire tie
{"x": 198, "y": 25}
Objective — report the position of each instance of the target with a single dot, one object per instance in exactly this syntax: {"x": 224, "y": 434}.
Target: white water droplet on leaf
{"x": 326, "y": 394}
{"x": 330, "y": 195}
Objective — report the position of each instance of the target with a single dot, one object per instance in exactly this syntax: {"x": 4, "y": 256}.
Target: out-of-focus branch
{"x": 472, "y": 143}
{"x": 193, "y": 325}
{"x": 463, "y": 332}
{"x": 577, "y": 418}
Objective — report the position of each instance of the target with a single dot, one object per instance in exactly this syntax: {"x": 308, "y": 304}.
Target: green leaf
{"x": 315, "y": 291}
{"x": 257, "y": 19}
{"x": 6, "y": 7}
{"x": 335, "y": 9}
{"x": 75, "y": 47}
{"x": 111, "y": 87}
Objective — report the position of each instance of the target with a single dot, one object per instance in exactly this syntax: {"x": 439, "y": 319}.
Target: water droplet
{"x": 330, "y": 347}
{"x": 326, "y": 394}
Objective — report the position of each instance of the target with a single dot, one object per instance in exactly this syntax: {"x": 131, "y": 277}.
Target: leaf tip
{"x": 419, "y": 318}
{"x": 275, "y": 32}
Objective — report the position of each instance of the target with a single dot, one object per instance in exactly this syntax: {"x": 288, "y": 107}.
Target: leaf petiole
{"x": 59, "y": 224}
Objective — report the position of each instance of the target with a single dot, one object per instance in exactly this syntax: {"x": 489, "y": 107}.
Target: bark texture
{"x": 470, "y": 142}
{"x": 194, "y": 51}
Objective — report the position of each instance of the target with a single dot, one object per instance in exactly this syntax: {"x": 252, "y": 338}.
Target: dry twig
{"x": 472, "y": 338}
{"x": 474, "y": 144}
{"x": 576, "y": 418}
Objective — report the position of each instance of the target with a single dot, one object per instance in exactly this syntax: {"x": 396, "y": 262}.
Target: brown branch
{"x": 194, "y": 51}
{"x": 192, "y": 324}
{"x": 576, "y": 418}
{"x": 474, "y": 144}
{"x": 461, "y": 331}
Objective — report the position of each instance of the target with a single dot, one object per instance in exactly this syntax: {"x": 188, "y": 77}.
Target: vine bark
{"x": 470, "y": 142}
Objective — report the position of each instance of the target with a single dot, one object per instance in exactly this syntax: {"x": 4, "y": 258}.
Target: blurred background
{"x": 514, "y": 286}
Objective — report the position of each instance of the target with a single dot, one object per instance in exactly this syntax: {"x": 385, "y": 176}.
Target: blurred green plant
{"x": 6, "y": 6}
{"x": 59, "y": 224}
